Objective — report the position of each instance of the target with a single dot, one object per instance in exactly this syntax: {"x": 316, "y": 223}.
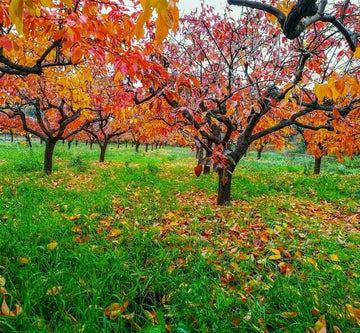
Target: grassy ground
{"x": 138, "y": 244}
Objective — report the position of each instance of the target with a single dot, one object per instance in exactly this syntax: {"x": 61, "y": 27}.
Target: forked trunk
{"x": 48, "y": 158}
{"x": 317, "y": 166}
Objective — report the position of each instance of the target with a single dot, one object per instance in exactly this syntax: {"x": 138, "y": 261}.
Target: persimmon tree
{"x": 237, "y": 81}
{"x": 35, "y": 35}
{"x": 52, "y": 108}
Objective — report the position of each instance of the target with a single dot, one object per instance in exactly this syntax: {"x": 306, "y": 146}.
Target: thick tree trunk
{"x": 103, "y": 147}
{"x": 224, "y": 188}
{"x": 48, "y": 158}
{"x": 317, "y": 166}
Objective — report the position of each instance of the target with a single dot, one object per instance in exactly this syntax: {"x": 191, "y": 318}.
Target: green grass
{"x": 142, "y": 231}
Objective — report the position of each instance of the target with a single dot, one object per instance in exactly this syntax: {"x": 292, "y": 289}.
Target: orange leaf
{"x": 76, "y": 55}
{"x": 288, "y": 314}
{"x": 354, "y": 313}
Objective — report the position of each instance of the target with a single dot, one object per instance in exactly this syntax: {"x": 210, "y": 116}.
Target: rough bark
{"x": 224, "y": 188}
{"x": 103, "y": 147}
{"x": 317, "y": 166}
{"x": 48, "y": 158}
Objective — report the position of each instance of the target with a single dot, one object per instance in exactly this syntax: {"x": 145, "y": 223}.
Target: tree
{"x": 52, "y": 108}
{"x": 343, "y": 141}
{"x": 35, "y": 35}
{"x": 237, "y": 81}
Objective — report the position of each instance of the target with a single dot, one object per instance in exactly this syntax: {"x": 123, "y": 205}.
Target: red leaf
{"x": 6, "y": 43}
{"x": 198, "y": 170}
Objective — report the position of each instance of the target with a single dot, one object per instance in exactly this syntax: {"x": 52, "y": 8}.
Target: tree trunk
{"x": 126, "y": 144}
{"x": 69, "y": 144}
{"x": 259, "y": 151}
{"x": 118, "y": 143}
{"x": 103, "y": 147}
{"x": 146, "y": 147}
{"x": 224, "y": 188}
{"x": 48, "y": 158}
{"x": 91, "y": 144}
{"x": 11, "y": 136}
{"x": 317, "y": 166}
{"x": 152, "y": 146}
{"x": 137, "y": 145}
{"x": 28, "y": 140}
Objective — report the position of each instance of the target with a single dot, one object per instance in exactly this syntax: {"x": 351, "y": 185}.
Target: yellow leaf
{"x": 357, "y": 52}
{"x": 234, "y": 265}
{"x": 52, "y": 246}
{"x": 2, "y": 281}
{"x": 46, "y": 3}
{"x": 334, "y": 257}
{"x": 67, "y": 3}
{"x": 139, "y": 27}
{"x": 16, "y": 10}
{"x": 162, "y": 29}
{"x": 320, "y": 326}
{"x": 312, "y": 262}
{"x": 276, "y": 255}
{"x": 323, "y": 91}
{"x": 114, "y": 232}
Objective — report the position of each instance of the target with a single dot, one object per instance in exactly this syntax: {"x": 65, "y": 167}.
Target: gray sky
{"x": 186, "y": 6}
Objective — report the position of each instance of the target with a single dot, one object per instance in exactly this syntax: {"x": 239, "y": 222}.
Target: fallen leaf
{"x": 276, "y": 255}
{"x": 52, "y": 246}
{"x": 320, "y": 325}
{"x": 312, "y": 262}
{"x": 289, "y": 314}
{"x": 2, "y": 281}
{"x": 23, "y": 260}
{"x": 334, "y": 257}
{"x": 114, "y": 232}
{"x": 54, "y": 290}
{"x": 128, "y": 316}
{"x": 354, "y": 313}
